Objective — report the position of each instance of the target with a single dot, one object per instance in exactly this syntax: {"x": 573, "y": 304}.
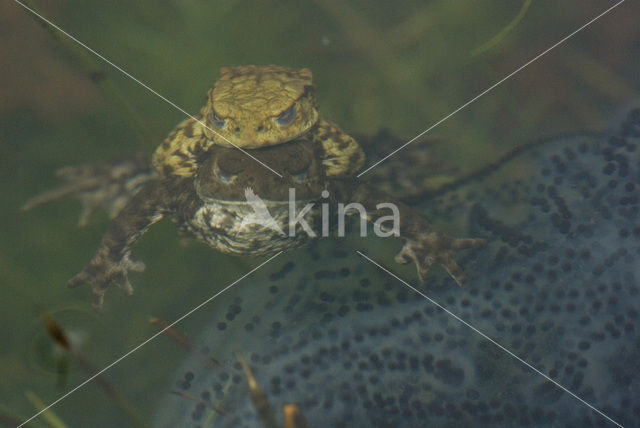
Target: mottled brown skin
{"x": 194, "y": 171}
{"x": 245, "y": 109}
{"x": 223, "y": 175}
{"x": 180, "y": 198}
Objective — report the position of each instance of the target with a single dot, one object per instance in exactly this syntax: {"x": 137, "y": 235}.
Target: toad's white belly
{"x": 238, "y": 227}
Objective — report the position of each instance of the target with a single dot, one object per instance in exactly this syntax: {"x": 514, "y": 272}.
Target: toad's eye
{"x": 300, "y": 176}
{"x": 216, "y": 121}
{"x": 225, "y": 176}
{"x": 287, "y": 116}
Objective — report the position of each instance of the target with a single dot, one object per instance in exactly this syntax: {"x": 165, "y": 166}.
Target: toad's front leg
{"x": 424, "y": 245}
{"x": 112, "y": 261}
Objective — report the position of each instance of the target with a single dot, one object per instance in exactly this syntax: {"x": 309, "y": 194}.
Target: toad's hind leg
{"x": 112, "y": 261}
{"x": 423, "y": 244}
{"x": 427, "y": 248}
{"x": 105, "y": 185}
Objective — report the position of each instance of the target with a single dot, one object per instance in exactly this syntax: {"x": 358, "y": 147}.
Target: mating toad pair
{"x": 199, "y": 179}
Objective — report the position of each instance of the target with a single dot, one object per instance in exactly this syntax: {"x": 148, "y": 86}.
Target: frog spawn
{"x": 558, "y": 285}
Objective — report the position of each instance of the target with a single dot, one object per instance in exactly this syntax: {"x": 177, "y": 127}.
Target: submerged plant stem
{"x": 503, "y": 33}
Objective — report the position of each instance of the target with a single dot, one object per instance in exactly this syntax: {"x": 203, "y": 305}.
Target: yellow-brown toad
{"x": 252, "y": 107}
{"x": 224, "y": 198}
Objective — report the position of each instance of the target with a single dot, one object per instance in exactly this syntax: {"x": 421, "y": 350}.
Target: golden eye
{"x": 287, "y": 116}
{"x": 217, "y": 121}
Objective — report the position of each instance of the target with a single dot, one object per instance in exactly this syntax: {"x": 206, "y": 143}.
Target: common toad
{"x": 209, "y": 189}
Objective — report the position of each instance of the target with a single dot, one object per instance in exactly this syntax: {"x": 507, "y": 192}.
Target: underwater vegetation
{"x": 558, "y": 285}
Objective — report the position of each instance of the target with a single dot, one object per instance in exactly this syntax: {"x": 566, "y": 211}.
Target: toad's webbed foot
{"x": 112, "y": 261}
{"x": 101, "y": 271}
{"x": 424, "y": 246}
{"x": 435, "y": 247}
{"x": 105, "y": 185}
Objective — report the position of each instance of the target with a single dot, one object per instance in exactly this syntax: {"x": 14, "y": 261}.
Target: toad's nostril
{"x": 260, "y": 128}
{"x": 237, "y": 130}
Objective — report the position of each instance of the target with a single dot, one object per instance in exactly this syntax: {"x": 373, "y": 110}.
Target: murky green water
{"x": 376, "y": 65}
